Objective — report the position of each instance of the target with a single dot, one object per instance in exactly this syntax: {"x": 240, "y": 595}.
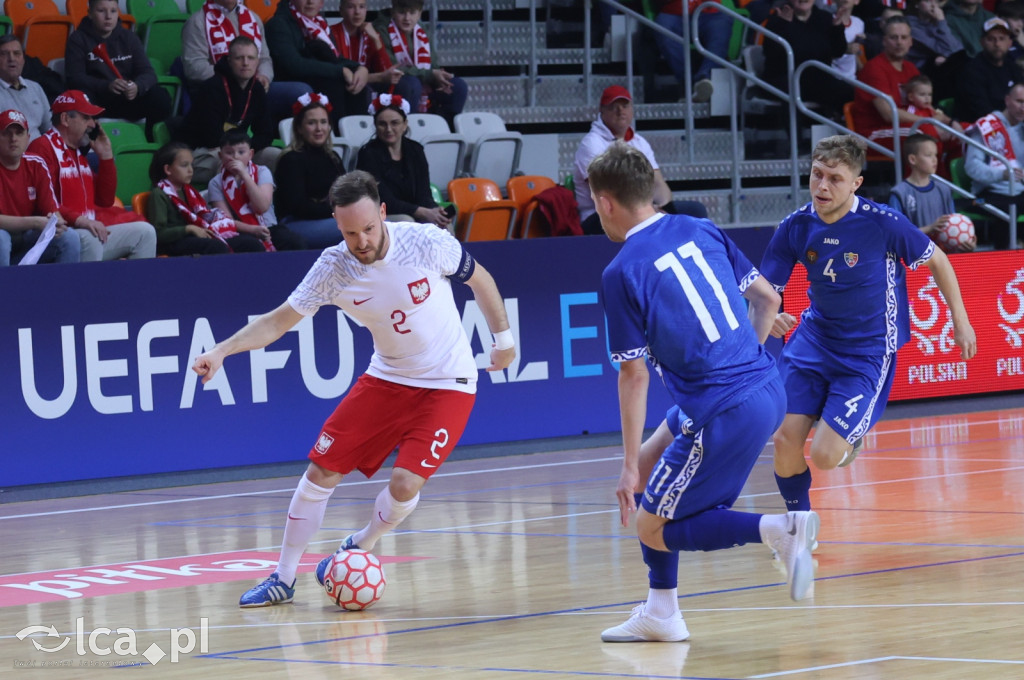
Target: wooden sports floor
{"x": 512, "y": 566}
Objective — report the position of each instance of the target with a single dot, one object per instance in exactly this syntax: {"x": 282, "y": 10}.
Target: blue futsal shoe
{"x": 270, "y": 592}
{"x": 321, "y": 569}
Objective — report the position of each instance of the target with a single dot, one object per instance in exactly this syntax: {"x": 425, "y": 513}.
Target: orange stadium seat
{"x": 20, "y": 11}
{"x": 45, "y": 36}
{"x": 482, "y": 213}
{"x": 140, "y": 202}
{"x": 522, "y": 190}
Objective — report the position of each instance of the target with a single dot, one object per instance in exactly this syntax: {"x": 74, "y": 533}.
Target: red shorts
{"x": 376, "y": 416}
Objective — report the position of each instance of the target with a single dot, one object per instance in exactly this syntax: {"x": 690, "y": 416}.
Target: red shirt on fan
{"x": 880, "y": 74}
{"x": 78, "y": 192}
{"x": 27, "y": 191}
{"x": 360, "y": 48}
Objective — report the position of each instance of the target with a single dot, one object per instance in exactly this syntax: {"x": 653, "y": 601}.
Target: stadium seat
{"x": 144, "y": 10}
{"x": 20, "y": 11}
{"x": 959, "y": 176}
{"x": 872, "y": 154}
{"x": 445, "y": 157}
{"x": 482, "y": 214}
{"x": 161, "y": 133}
{"x": 493, "y": 151}
{"x": 133, "y": 170}
{"x": 523, "y": 190}
{"x": 77, "y": 10}
{"x": 193, "y": 6}
{"x": 162, "y": 41}
{"x": 57, "y": 66}
{"x": 140, "y": 202}
{"x": 123, "y": 133}
{"x": 422, "y": 125}
{"x": 45, "y": 36}
{"x": 6, "y": 25}
{"x": 264, "y": 9}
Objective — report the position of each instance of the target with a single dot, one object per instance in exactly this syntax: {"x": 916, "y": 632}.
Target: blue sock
{"x": 662, "y": 567}
{"x": 796, "y": 490}
{"x": 713, "y": 530}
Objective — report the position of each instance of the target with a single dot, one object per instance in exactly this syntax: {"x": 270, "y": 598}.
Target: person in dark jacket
{"x": 814, "y": 34}
{"x": 987, "y": 77}
{"x": 232, "y": 98}
{"x": 107, "y": 62}
{"x": 303, "y": 49}
{"x": 399, "y": 165}
{"x": 305, "y": 172}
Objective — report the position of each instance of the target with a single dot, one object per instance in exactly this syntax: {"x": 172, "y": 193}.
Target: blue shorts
{"x": 678, "y": 421}
{"x": 847, "y": 391}
{"x": 707, "y": 469}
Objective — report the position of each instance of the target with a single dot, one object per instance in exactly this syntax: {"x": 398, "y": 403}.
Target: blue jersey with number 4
{"x": 674, "y": 294}
{"x": 856, "y": 274}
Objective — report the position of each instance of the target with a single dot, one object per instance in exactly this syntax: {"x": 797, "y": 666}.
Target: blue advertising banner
{"x": 97, "y": 378}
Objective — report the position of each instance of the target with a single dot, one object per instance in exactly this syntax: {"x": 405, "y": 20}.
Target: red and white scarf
{"x": 195, "y": 211}
{"x": 237, "y": 197}
{"x": 314, "y": 29}
{"x": 76, "y": 180}
{"x": 220, "y": 31}
{"x": 996, "y": 137}
{"x": 358, "y": 52}
{"x": 419, "y": 56}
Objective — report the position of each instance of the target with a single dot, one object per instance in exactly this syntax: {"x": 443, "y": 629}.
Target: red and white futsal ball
{"x": 959, "y": 230}
{"x": 355, "y": 579}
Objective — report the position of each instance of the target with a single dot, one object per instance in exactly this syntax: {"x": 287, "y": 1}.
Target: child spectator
{"x": 919, "y": 103}
{"x": 245, "y": 191}
{"x": 360, "y": 42}
{"x": 185, "y": 224}
{"x": 425, "y": 85}
{"x": 926, "y": 203}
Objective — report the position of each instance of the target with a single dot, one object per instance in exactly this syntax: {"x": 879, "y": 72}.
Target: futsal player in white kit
{"x": 395, "y": 279}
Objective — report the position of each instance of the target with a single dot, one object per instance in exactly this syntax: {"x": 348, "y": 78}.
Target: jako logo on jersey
{"x": 419, "y": 290}
{"x": 324, "y": 443}
{"x": 851, "y": 259}
{"x": 831, "y": 241}
{"x": 812, "y": 256}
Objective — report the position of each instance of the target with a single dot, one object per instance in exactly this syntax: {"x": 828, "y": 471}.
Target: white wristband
{"x": 504, "y": 339}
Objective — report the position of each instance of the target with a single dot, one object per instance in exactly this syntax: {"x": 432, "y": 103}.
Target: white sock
{"x": 387, "y": 514}
{"x": 662, "y": 604}
{"x": 305, "y": 515}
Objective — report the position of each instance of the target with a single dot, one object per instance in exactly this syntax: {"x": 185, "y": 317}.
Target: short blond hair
{"x": 623, "y": 173}
{"x": 847, "y": 150}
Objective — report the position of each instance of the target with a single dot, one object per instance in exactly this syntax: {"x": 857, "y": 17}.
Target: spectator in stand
{"x": 922, "y": 200}
{"x": 985, "y": 79}
{"x": 853, "y": 30}
{"x": 936, "y": 51}
{"x": 1000, "y": 131}
{"x": 966, "y": 18}
{"x": 616, "y": 122}
{"x": 185, "y": 223}
{"x": 88, "y": 202}
{"x": 27, "y": 200}
{"x": 303, "y": 50}
{"x": 888, "y": 72}
{"x": 1013, "y": 13}
{"x": 814, "y": 34}
{"x": 245, "y": 192}
{"x": 206, "y": 37}
{"x": 106, "y": 61}
{"x": 426, "y": 86}
{"x": 919, "y": 103}
{"x": 715, "y": 31}
{"x": 360, "y": 41}
{"x": 305, "y": 173}
{"x": 232, "y": 98}
{"x": 18, "y": 93}
{"x": 875, "y": 28}
{"x": 399, "y": 165}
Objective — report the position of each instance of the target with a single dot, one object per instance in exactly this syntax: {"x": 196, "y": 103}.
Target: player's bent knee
{"x": 404, "y": 485}
{"x": 649, "y": 530}
{"x": 826, "y": 458}
{"x": 323, "y": 477}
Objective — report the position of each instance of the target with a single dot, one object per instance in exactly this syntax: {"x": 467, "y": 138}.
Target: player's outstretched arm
{"x": 486, "y": 293}
{"x": 633, "y": 382}
{"x": 764, "y": 306}
{"x": 258, "y": 333}
{"x": 945, "y": 279}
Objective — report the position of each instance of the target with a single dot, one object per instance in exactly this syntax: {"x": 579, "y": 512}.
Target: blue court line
{"x": 234, "y": 654}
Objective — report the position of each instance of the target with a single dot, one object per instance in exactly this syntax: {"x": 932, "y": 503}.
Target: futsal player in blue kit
{"x": 674, "y": 296}
{"x": 839, "y": 363}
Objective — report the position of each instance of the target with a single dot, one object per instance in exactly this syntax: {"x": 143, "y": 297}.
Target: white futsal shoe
{"x": 642, "y": 627}
{"x": 792, "y": 536}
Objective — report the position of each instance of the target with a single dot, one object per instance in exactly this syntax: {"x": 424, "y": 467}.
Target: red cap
{"x": 11, "y": 117}
{"x": 75, "y": 100}
{"x": 614, "y": 92}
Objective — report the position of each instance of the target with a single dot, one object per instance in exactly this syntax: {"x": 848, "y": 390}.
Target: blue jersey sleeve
{"x": 908, "y": 242}
{"x": 780, "y": 256}
{"x": 626, "y": 337}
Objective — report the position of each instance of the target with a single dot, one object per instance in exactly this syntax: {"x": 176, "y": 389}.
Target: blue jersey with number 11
{"x": 674, "y": 294}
